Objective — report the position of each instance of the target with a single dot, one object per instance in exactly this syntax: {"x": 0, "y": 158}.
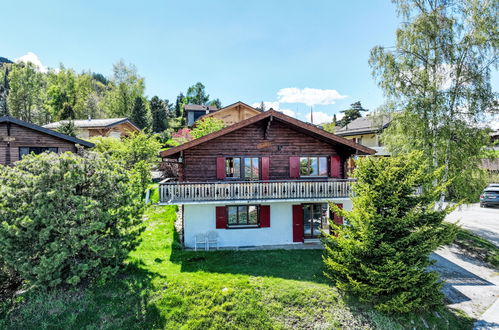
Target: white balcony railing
{"x": 184, "y": 192}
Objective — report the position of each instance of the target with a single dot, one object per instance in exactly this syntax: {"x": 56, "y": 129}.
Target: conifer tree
{"x": 381, "y": 253}
{"x": 140, "y": 114}
{"x": 159, "y": 112}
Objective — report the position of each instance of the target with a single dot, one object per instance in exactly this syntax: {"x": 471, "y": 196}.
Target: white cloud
{"x": 309, "y": 96}
{"x": 33, "y": 58}
{"x": 319, "y": 117}
{"x": 276, "y": 106}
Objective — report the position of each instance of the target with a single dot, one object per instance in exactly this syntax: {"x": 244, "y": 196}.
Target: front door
{"x": 314, "y": 219}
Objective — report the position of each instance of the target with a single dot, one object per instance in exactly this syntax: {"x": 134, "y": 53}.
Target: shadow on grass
{"x": 301, "y": 265}
{"x": 121, "y": 303}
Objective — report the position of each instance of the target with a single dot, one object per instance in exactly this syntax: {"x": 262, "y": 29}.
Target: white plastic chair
{"x": 212, "y": 238}
{"x": 200, "y": 239}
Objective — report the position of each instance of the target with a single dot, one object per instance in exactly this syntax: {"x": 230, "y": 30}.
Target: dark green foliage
{"x": 196, "y": 94}
{"x": 140, "y": 113}
{"x": 68, "y": 128}
{"x": 351, "y": 114}
{"x": 66, "y": 218}
{"x": 179, "y": 105}
{"x": 4, "y": 91}
{"x": 100, "y": 78}
{"x": 159, "y": 113}
{"x": 216, "y": 103}
{"x": 382, "y": 254}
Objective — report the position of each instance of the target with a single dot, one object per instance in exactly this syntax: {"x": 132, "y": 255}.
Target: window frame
{"x": 318, "y": 167}
{"x": 43, "y": 149}
{"x": 243, "y": 225}
{"x": 242, "y": 167}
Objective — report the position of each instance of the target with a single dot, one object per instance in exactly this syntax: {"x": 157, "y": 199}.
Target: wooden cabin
{"x": 269, "y": 176}
{"x": 19, "y": 138}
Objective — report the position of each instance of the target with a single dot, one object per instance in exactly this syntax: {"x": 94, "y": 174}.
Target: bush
{"x": 138, "y": 152}
{"x": 66, "y": 218}
{"x": 382, "y": 254}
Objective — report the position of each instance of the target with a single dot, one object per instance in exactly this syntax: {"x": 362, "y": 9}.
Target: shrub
{"x": 66, "y": 218}
{"x": 381, "y": 255}
{"x": 138, "y": 152}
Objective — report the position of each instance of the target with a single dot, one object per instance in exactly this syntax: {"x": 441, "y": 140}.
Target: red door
{"x": 297, "y": 223}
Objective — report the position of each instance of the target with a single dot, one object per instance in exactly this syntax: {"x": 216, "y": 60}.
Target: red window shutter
{"x": 265, "y": 216}
{"x": 294, "y": 167}
{"x": 297, "y": 223}
{"x": 220, "y": 168}
{"x": 335, "y": 167}
{"x": 221, "y": 217}
{"x": 336, "y": 218}
{"x": 265, "y": 168}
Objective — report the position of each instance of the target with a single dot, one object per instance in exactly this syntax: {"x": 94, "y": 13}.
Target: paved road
{"x": 482, "y": 221}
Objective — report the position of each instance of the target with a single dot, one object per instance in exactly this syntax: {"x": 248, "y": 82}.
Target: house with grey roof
{"x": 367, "y": 131}
{"x": 19, "y": 138}
{"x": 193, "y": 112}
{"x": 87, "y": 128}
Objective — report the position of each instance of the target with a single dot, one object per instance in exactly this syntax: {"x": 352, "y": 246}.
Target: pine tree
{"x": 351, "y": 114}
{"x": 159, "y": 114}
{"x": 179, "y": 105}
{"x": 4, "y": 91}
{"x": 381, "y": 253}
{"x": 140, "y": 114}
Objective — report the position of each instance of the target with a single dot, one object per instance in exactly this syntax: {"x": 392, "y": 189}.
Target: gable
{"x": 234, "y": 113}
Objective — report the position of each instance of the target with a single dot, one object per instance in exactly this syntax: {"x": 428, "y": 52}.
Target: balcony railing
{"x": 184, "y": 192}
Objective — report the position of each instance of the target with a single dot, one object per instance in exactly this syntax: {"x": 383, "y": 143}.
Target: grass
{"x": 166, "y": 287}
{"x": 478, "y": 247}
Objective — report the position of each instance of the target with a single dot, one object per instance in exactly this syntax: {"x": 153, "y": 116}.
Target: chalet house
{"x": 19, "y": 138}
{"x": 233, "y": 113}
{"x": 263, "y": 181}
{"x": 87, "y": 128}
{"x": 193, "y": 112}
{"x": 367, "y": 131}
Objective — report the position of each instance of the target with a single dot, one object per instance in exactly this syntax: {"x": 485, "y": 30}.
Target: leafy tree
{"x": 138, "y": 152}
{"x": 159, "y": 113}
{"x": 382, "y": 253}
{"x": 61, "y": 94}
{"x": 125, "y": 86}
{"x": 196, "y": 94}
{"x": 67, "y": 218}
{"x": 180, "y": 137}
{"x": 140, "y": 115}
{"x": 26, "y": 89}
{"x": 68, "y": 128}
{"x": 216, "y": 103}
{"x": 206, "y": 126}
{"x": 438, "y": 74}
{"x": 351, "y": 114}
{"x": 330, "y": 127}
{"x": 4, "y": 90}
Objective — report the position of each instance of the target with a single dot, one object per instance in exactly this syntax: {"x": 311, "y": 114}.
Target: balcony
{"x": 295, "y": 190}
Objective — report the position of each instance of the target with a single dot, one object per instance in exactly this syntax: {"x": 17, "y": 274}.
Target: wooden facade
{"x": 16, "y": 134}
{"x": 233, "y": 113}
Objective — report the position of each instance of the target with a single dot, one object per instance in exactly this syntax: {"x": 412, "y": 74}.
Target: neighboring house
{"x": 263, "y": 181}
{"x": 193, "y": 112}
{"x": 87, "y": 128}
{"x": 367, "y": 131}
{"x": 19, "y": 138}
{"x": 234, "y": 113}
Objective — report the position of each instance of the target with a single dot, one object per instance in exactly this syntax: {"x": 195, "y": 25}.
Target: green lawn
{"x": 478, "y": 247}
{"x": 165, "y": 287}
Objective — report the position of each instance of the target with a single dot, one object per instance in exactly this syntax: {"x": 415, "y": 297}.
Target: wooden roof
{"x": 275, "y": 115}
{"x": 229, "y": 107}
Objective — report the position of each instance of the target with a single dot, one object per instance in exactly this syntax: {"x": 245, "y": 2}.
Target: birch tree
{"x": 438, "y": 75}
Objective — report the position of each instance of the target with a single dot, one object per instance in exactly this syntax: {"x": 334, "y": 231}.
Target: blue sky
{"x": 298, "y": 52}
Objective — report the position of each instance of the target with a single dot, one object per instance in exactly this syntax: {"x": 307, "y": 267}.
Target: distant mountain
{"x": 5, "y": 60}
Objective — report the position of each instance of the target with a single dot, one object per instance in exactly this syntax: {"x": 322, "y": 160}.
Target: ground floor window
{"x": 243, "y": 215}
{"x": 23, "y": 151}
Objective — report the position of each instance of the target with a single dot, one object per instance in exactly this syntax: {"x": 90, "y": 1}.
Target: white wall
{"x": 200, "y": 219}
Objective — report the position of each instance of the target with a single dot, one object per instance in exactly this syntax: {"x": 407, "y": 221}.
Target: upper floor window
{"x": 358, "y": 140}
{"x": 233, "y": 167}
{"x": 313, "y": 166}
{"x": 251, "y": 168}
{"x": 247, "y": 168}
{"x": 242, "y": 215}
{"x": 23, "y": 151}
